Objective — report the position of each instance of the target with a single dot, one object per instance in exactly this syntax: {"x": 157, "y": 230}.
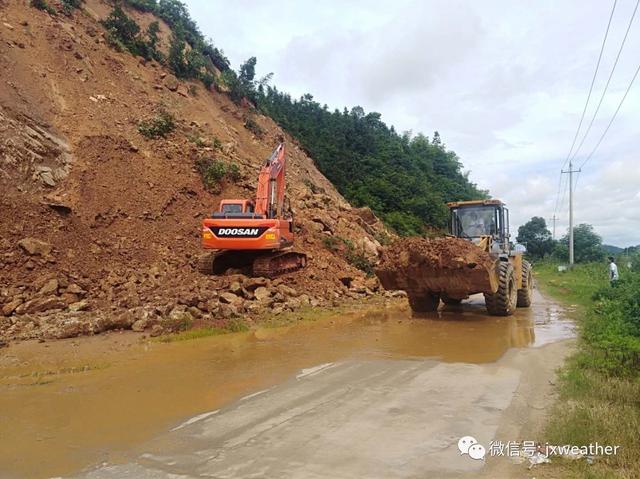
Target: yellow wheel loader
{"x": 476, "y": 257}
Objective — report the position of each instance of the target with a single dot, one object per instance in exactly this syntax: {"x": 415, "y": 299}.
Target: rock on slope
{"x": 99, "y": 226}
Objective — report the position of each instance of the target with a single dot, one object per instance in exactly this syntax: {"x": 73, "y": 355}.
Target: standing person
{"x": 613, "y": 271}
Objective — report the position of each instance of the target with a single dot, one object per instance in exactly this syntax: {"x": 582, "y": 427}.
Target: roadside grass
{"x": 231, "y": 326}
{"x": 599, "y": 386}
{"x": 575, "y": 286}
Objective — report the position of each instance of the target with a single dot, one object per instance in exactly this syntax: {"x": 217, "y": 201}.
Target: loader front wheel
{"x": 504, "y": 301}
{"x": 424, "y": 302}
{"x": 525, "y": 294}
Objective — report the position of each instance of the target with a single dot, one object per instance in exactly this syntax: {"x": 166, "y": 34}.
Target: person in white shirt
{"x": 613, "y": 271}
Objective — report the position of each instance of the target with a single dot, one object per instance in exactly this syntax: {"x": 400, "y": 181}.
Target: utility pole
{"x": 570, "y": 172}
{"x": 554, "y": 219}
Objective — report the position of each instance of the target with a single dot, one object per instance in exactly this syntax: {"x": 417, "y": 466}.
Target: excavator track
{"x": 219, "y": 262}
{"x": 277, "y": 263}
{"x": 255, "y": 263}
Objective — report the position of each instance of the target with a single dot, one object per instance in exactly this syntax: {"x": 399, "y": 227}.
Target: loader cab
{"x": 475, "y": 220}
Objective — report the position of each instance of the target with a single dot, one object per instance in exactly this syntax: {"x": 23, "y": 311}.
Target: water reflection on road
{"x": 65, "y": 419}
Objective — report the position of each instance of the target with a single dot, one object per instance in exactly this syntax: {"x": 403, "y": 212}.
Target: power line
{"x": 604, "y": 133}
{"x": 564, "y": 193}
{"x": 606, "y": 87}
{"x": 593, "y": 80}
{"x": 555, "y": 210}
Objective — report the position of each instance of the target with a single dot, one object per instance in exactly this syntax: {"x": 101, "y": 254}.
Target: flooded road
{"x": 353, "y": 396}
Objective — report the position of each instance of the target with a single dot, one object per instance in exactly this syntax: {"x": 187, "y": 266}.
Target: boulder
{"x": 253, "y": 283}
{"x": 11, "y": 306}
{"x": 236, "y": 288}
{"x": 35, "y": 247}
{"x": 262, "y": 293}
{"x": 287, "y": 291}
{"x": 39, "y": 305}
{"x": 50, "y": 287}
{"x": 75, "y": 289}
{"x": 79, "y": 306}
{"x": 230, "y": 298}
{"x": 171, "y": 83}
{"x": 370, "y": 248}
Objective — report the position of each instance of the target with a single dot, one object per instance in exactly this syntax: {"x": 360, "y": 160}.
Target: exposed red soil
{"x": 121, "y": 213}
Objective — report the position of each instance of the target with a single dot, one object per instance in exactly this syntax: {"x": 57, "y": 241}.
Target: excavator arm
{"x": 271, "y": 185}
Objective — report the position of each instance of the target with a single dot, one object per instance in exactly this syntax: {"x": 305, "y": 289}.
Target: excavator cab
{"x": 237, "y": 209}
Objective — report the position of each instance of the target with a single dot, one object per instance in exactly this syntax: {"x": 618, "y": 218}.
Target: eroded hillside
{"x": 100, "y": 226}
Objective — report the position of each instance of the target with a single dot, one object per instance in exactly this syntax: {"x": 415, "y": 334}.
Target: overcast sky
{"x": 504, "y": 82}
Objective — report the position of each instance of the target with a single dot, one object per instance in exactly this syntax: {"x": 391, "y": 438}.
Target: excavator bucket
{"x": 443, "y": 268}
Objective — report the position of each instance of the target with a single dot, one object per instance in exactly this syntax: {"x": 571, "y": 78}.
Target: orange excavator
{"x": 255, "y": 236}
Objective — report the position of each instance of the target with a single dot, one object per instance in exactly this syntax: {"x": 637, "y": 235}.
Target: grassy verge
{"x": 600, "y": 385}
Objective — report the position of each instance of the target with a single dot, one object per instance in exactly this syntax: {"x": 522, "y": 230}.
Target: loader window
{"x": 476, "y": 222}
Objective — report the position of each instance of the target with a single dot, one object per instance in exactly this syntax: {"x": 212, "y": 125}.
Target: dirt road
{"x": 370, "y": 395}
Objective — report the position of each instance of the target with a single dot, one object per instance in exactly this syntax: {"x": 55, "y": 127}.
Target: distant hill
{"x": 612, "y": 249}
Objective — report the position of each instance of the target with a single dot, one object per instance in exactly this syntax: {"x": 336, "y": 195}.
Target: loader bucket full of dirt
{"x": 432, "y": 269}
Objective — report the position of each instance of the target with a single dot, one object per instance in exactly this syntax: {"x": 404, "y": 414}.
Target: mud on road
{"x": 375, "y": 393}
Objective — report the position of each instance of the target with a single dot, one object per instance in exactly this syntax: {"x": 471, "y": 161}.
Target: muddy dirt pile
{"x": 450, "y": 266}
{"x": 100, "y": 226}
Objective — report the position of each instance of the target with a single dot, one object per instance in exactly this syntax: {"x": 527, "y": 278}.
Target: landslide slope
{"x": 100, "y": 226}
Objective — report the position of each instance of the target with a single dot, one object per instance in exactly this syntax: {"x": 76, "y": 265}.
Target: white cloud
{"x": 503, "y": 82}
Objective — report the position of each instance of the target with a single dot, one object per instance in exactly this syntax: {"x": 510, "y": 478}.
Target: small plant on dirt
{"x": 383, "y": 238}
{"x": 159, "y": 126}
{"x": 312, "y": 186}
{"x": 233, "y": 172}
{"x": 44, "y": 6}
{"x": 236, "y": 326}
{"x": 251, "y": 125}
{"x": 68, "y": 6}
{"x": 331, "y": 243}
{"x": 217, "y": 144}
{"x": 197, "y": 140}
{"x": 214, "y": 172}
{"x": 193, "y": 90}
{"x": 349, "y": 251}
{"x": 357, "y": 258}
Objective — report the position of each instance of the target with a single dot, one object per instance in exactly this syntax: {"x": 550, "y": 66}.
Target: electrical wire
{"x": 604, "y": 133}
{"x": 593, "y": 80}
{"x": 606, "y": 87}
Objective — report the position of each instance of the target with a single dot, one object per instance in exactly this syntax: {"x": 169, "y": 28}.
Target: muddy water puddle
{"x": 68, "y": 404}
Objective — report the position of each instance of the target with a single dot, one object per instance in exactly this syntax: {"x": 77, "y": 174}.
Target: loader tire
{"x": 526, "y": 292}
{"x": 424, "y": 302}
{"x": 504, "y": 301}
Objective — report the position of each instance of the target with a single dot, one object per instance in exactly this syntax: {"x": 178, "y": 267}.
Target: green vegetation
{"x": 600, "y": 384}
{"x": 68, "y": 6}
{"x": 44, "y": 6}
{"x": 587, "y": 245}
{"x": 536, "y": 237}
{"x": 406, "y": 180}
{"x": 214, "y": 171}
{"x": 191, "y": 55}
{"x": 124, "y": 34}
{"x": 349, "y": 251}
{"x": 252, "y": 125}
{"x": 159, "y": 126}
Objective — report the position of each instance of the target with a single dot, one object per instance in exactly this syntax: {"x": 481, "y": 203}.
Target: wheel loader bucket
{"x": 443, "y": 266}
